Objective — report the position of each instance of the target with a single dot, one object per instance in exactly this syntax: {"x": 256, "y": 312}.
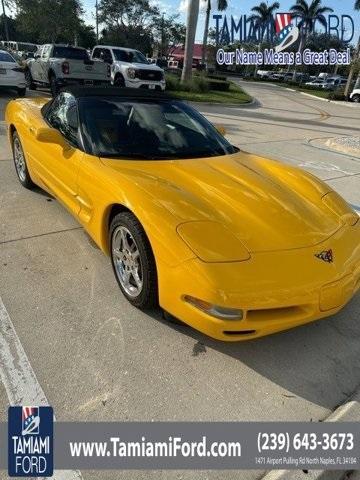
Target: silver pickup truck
{"x": 56, "y": 66}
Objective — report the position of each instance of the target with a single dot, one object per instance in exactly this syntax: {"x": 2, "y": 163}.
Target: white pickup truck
{"x": 56, "y": 66}
{"x": 130, "y": 68}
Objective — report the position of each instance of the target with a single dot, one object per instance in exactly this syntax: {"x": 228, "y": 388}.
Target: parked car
{"x": 319, "y": 84}
{"x": 355, "y": 94}
{"x": 11, "y": 73}
{"x": 130, "y": 68}
{"x": 22, "y": 49}
{"x": 185, "y": 216}
{"x": 336, "y": 82}
{"x": 55, "y": 66}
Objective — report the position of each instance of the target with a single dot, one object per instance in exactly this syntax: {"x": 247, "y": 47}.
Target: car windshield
{"x": 70, "y": 53}
{"x": 132, "y": 56}
{"x": 6, "y": 57}
{"x": 116, "y": 127}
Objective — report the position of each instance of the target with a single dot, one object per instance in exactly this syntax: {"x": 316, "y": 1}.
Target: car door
{"x": 35, "y": 64}
{"x": 44, "y": 64}
{"x": 58, "y": 163}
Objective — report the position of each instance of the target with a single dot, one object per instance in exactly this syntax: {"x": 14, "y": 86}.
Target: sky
{"x": 236, "y": 8}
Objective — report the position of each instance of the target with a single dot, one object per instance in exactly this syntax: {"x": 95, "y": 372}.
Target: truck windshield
{"x": 70, "y": 53}
{"x": 129, "y": 56}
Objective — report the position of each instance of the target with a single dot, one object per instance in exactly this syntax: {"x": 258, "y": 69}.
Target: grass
{"x": 235, "y": 94}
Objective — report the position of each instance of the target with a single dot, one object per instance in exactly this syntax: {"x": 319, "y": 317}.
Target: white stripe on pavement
{"x": 19, "y": 379}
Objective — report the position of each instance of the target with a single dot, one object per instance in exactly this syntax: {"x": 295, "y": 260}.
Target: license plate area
{"x": 3, "y": 71}
{"x": 152, "y": 87}
{"x": 89, "y": 82}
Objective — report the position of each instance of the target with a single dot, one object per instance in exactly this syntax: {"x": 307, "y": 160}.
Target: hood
{"x": 140, "y": 66}
{"x": 267, "y": 205}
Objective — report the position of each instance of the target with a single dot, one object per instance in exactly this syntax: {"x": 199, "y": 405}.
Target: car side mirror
{"x": 49, "y": 135}
{"x": 221, "y": 129}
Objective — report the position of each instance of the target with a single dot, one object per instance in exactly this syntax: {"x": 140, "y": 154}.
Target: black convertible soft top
{"x": 133, "y": 93}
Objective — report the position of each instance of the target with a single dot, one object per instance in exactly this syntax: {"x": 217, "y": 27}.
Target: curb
{"x": 252, "y": 103}
{"x": 327, "y": 148}
{"x": 335, "y": 102}
{"x": 347, "y": 412}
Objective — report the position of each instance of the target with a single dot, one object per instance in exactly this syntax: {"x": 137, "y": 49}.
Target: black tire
{"x": 356, "y": 98}
{"x": 54, "y": 88}
{"x": 119, "y": 81}
{"x": 21, "y": 92}
{"x": 23, "y": 173}
{"x": 29, "y": 80}
{"x": 148, "y": 296}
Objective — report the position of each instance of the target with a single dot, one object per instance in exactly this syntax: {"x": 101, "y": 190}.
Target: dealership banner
{"x": 37, "y": 448}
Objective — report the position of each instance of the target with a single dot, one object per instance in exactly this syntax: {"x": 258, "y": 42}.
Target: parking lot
{"x": 97, "y": 358}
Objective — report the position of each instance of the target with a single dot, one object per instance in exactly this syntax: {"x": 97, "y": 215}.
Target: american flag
{"x": 283, "y": 25}
{"x": 29, "y": 414}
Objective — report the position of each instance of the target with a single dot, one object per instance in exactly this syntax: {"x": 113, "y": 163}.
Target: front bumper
{"x": 15, "y": 80}
{"x": 62, "y": 82}
{"x": 276, "y": 290}
{"x": 146, "y": 84}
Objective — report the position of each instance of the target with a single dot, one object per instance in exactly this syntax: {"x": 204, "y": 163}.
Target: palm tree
{"x": 309, "y": 15}
{"x": 263, "y": 14}
{"x": 191, "y": 24}
{"x": 221, "y": 6}
{"x": 356, "y": 56}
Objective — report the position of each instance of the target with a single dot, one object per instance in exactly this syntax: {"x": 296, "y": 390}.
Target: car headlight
{"x": 212, "y": 242}
{"x": 340, "y": 208}
{"x": 224, "y": 313}
{"x": 131, "y": 73}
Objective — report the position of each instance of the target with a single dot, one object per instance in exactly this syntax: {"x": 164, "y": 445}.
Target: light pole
{"x": 96, "y": 20}
{"x": 5, "y": 21}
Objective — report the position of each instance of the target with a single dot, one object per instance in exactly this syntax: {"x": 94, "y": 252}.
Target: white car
{"x": 130, "y": 68}
{"x": 11, "y": 74}
{"x": 319, "y": 84}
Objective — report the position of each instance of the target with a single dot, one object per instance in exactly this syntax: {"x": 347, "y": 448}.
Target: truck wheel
{"x": 29, "y": 80}
{"x": 21, "y": 92}
{"x": 54, "y": 88}
{"x": 356, "y": 98}
{"x": 119, "y": 81}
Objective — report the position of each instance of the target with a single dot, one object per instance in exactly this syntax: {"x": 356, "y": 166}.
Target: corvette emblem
{"x": 326, "y": 256}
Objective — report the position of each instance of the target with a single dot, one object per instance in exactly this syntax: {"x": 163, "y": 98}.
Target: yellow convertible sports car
{"x": 235, "y": 245}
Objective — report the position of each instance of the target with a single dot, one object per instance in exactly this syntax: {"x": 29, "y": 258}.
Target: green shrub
{"x": 338, "y": 94}
{"x": 172, "y": 82}
{"x": 219, "y": 85}
{"x": 198, "y": 84}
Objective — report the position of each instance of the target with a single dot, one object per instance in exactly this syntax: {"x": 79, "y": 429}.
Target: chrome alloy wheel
{"x": 19, "y": 159}
{"x": 127, "y": 262}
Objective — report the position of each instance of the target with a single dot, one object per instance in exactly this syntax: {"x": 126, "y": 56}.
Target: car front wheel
{"x": 20, "y": 163}
{"x": 356, "y": 98}
{"x": 133, "y": 261}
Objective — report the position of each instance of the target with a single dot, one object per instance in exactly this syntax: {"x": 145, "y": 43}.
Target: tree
{"x": 308, "y": 16}
{"x": 355, "y": 60}
{"x": 191, "y": 24}
{"x": 49, "y": 20}
{"x": 221, "y": 6}
{"x": 127, "y": 13}
{"x": 168, "y": 34}
{"x": 262, "y": 16}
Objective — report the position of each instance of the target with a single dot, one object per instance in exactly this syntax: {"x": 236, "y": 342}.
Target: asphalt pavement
{"x": 97, "y": 358}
